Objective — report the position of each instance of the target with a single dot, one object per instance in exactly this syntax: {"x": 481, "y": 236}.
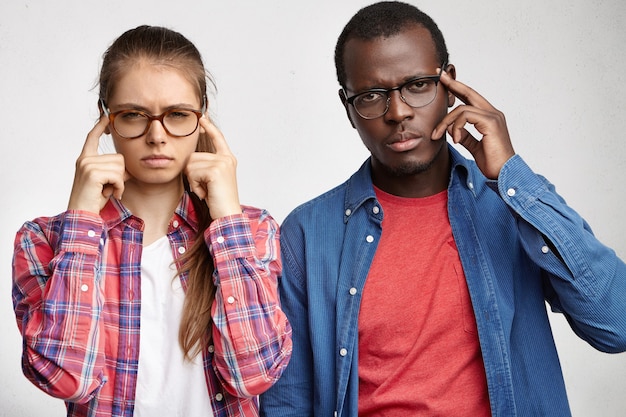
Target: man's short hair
{"x": 384, "y": 19}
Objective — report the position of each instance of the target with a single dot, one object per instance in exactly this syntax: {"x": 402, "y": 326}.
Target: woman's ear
{"x": 205, "y": 111}
{"x": 104, "y": 111}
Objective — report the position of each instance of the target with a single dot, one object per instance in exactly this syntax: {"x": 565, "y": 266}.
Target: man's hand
{"x": 495, "y": 147}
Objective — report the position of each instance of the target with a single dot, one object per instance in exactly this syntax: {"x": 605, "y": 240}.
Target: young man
{"x": 418, "y": 286}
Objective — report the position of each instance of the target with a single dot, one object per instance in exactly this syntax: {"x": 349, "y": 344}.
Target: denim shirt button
{"x": 343, "y": 351}
{"x": 375, "y": 210}
{"x": 348, "y": 212}
{"x": 510, "y": 192}
{"x": 545, "y": 249}
{"x": 353, "y": 291}
{"x": 369, "y": 238}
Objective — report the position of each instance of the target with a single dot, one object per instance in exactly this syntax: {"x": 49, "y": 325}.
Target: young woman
{"x": 155, "y": 293}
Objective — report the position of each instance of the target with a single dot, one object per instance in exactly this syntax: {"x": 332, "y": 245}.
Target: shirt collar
{"x": 114, "y": 213}
{"x": 360, "y": 187}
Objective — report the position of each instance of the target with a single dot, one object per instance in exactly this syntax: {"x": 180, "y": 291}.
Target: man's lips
{"x": 404, "y": 142}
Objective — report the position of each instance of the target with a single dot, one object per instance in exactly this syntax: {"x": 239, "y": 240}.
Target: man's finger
{"x": 465, "y": 93}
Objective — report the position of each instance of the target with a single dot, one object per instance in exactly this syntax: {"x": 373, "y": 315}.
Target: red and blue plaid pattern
{"x": 77, "y": 300}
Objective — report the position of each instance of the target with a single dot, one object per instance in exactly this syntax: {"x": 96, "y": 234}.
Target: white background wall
{"x": 555, "y": 68}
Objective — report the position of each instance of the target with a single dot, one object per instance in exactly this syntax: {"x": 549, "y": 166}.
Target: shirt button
{"x": 343, "y": 351}
{"x": 510, "y": 192}
{"x": 376, "y": 210}
{"x": 181, "y": 250}
{"x": 175, "y": 223}
{"x": 348, "y": 212}
{"x": 84, "y": 287}
{"x": 369, "y": 238}
{"x": 230, "y": 300}
{"x": 220, "y": 239}
{"x": 470, "y": 185}
{"x": 102, "y": 242}
{"x": 219, "y": 396}
{"x": 353, "y": 291}
{"x": 91, "y": 233}
{"x": 211, "y": 348}
{"x": 545, "y": 249}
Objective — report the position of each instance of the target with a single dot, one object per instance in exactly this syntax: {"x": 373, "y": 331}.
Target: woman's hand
{"x": 97, "y": 177}
{"x": 213, "y": 176}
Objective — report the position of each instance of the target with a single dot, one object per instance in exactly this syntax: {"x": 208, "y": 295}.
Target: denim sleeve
{"x": 586, "y": 279}
{"x": 292, "y": 395}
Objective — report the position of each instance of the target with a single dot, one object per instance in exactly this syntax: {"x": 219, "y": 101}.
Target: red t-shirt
{"x": 418, "y": 345}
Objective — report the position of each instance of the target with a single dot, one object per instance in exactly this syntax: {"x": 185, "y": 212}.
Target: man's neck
{"x": 429, "y": 181}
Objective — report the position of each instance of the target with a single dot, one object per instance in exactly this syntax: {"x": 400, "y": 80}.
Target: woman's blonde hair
{"x": 162, "y": 46}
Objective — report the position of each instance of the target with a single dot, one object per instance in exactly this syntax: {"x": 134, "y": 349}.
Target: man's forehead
{"x": 390, "y": 59}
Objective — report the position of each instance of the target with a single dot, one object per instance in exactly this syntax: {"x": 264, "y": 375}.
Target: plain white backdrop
{"x": 555, "y": 68}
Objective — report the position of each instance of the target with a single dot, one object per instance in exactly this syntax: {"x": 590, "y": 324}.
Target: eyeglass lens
{"x": 416, "y": 93}
{"x": 177, "y": 122}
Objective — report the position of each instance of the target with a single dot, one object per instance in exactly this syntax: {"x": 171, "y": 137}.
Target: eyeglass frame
{"x": 387, "y": 92}
{"x": 151, "y": 118}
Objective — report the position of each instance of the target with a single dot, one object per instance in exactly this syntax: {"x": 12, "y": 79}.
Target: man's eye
{"x": 370, "y": 97}
{"x": 419, "y": 86}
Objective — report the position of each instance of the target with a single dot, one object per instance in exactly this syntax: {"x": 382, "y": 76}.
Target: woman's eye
{"x": 130, "y": 116}
{"x": 179, "y": 114}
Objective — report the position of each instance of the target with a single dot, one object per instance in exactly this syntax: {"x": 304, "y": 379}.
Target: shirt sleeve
{"x": 57, "y": 304}
{"x": 586, "y": 279}
{"x": 251, "y": 334}
{"x": 293, "y": 394}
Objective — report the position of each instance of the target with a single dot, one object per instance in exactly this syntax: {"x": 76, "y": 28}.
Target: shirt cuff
{"x": 81, "y": 232}
{"x": 519, "y": 185}
{"x": 230, "y": 237}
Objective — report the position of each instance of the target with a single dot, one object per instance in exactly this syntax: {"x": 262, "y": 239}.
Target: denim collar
{"x": 360, "y": 188}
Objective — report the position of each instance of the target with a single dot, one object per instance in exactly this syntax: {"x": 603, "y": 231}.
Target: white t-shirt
{"x": 167, "y": 385}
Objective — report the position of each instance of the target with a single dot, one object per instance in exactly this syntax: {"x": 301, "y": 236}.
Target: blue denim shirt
{"x": 519, "y": 245}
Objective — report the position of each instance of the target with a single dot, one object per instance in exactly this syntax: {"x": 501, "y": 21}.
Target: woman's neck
{"x": 154, "y": 204}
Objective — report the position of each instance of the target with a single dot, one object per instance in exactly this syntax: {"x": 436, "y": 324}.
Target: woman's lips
{"x": 157, "y": 161}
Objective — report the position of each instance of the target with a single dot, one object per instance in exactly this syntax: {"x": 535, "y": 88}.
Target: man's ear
{"x": 451, "y": 70}
{"x": 344, "y": 101}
